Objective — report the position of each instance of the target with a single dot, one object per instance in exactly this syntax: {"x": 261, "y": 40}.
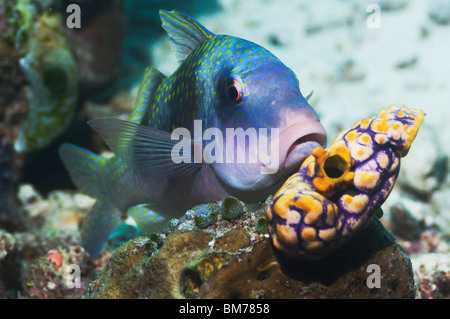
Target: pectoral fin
{"x": 148, "y": 220}
{"x": 150, "y": 152}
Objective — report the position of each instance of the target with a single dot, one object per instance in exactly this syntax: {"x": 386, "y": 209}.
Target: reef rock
{"x": 64, "y": 273}
{"x": 12, "y": 110}
{"x": 6, "y": 244}
{"x": 230, "y": 259}
{"x": 432, "y": 274}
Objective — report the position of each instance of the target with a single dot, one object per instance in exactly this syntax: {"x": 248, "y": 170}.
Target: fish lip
{"x": 298, "y": 140}
{"x": 298, "y": 154}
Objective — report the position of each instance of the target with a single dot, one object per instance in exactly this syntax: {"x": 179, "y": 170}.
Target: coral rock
{"x": 188, "y": 266}
{"x": 432, "y": 274}
{"x": 6, "y": 244}
{"x": 48, "y": 276}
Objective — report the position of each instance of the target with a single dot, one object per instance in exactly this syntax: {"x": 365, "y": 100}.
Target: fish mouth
{"x": 298, "y": 141}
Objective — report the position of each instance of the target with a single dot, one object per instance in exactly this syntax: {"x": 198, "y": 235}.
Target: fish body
{"x": 222, "y": 83}
{"x": 338, "y": 190}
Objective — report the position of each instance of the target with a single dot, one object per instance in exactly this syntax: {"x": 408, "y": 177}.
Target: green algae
{"x": 209, "y": 217}
{"x": 261, "y": 225}
{"x": 231, "y": 208}
{"x": 202, "y": 270}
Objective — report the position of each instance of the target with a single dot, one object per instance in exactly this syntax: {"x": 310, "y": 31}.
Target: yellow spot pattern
{"x": 355, "y": 204}
{"x": 327, "y": 234}
{"x": 366, "y": 179}
{"x": 312, "y": 207}
{"x": 337, "y": 190}
{"x": 308, "y": 234}
{"x": 287, "y": 235}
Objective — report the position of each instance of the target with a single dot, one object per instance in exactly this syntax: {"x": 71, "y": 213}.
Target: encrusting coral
{"x": 230, "y": 259}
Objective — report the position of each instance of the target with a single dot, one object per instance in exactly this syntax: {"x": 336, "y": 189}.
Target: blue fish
{"x": 222, "y": 82}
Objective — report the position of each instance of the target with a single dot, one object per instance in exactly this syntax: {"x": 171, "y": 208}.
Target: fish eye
{"x": 233, "y": 91}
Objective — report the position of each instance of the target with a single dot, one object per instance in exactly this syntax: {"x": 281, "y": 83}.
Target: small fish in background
{"x": 51, "y": 71}
{"x": 224, "y": 81}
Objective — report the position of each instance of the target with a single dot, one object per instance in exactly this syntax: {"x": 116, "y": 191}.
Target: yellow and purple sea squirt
{"x": 338, "y": 190}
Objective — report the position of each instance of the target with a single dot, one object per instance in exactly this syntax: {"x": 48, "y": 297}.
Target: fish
{"x": 51, "y": 71}
{"x": 222, "y": 82}
{"x": 339, "y": 190}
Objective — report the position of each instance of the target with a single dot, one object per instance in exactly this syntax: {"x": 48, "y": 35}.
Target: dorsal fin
{"x": 184, "y": 32}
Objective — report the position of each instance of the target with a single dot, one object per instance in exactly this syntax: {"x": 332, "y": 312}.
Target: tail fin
{"x": 85, "y": 170}
{"x": 98, "y": 225}
{"x": 83, "y": 167}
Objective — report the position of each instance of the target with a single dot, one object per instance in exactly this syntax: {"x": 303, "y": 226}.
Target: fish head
{"x": 259, "y": 100}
